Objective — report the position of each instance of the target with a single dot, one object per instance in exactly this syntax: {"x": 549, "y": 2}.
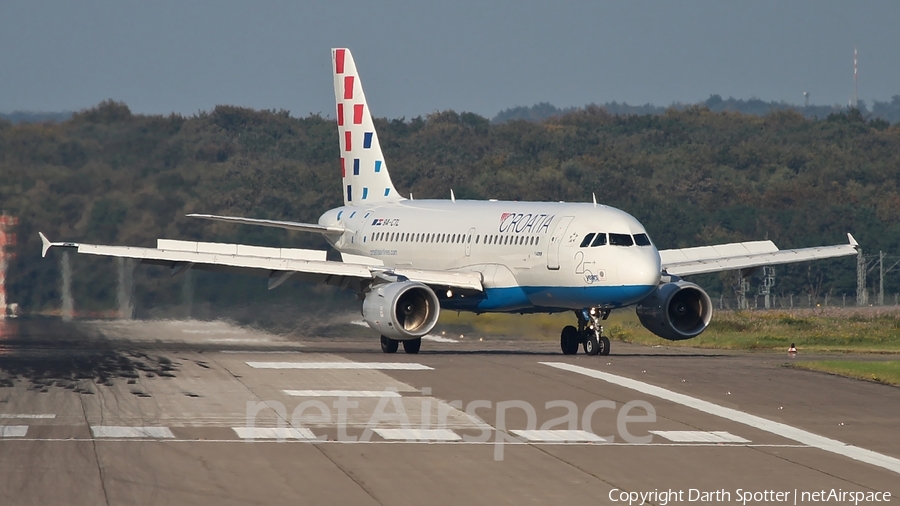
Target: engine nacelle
{"x": 675, "y": 311}
{"x": 401, "y": 310}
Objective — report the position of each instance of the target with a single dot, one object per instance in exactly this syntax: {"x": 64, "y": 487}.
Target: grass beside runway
{"x": 869, "y": 330}
{"x": 887, "y": 372}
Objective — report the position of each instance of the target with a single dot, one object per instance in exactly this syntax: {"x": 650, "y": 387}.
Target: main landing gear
{"x": 589, "y": 333}
{"x": 410, "y": 346}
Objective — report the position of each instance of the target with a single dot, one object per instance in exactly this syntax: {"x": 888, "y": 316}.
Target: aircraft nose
{"x": 644, "y": 269}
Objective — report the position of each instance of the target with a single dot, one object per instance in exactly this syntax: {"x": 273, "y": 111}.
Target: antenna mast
{"x": 855, "y": 82}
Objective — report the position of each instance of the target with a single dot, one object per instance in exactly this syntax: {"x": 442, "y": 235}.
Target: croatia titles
{"x": 525, "y": 223}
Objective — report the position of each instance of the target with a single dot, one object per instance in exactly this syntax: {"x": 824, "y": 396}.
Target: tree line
{"x": 693, "y": 176}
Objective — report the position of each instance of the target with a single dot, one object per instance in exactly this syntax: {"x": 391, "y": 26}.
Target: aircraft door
{"x": 556, "y": 241}
{"x": 469, "y": 238}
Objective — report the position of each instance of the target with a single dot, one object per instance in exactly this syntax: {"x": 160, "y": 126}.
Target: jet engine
{"x": 401, "y": 310}
{"x": 675, "y": 311}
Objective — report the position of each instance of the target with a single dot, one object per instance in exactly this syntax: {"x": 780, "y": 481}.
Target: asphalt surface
{"x": 186, "y": 412}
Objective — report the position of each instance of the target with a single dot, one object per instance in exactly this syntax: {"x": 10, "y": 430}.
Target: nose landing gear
{"x": 589, "y": 333}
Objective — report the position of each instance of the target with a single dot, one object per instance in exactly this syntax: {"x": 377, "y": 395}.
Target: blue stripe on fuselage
{"x": 519, "y": 298}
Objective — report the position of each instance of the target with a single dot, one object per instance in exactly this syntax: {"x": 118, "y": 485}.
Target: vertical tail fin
{"x": 364, "y": 174}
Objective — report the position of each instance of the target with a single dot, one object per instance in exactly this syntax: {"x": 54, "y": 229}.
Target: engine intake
{"x": 401, "y": 310}
{"x": 675, "y": 311}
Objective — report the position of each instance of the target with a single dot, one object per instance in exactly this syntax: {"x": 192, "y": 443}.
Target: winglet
{"x": 852, "y": 241}
{"x": 45, "y": 244}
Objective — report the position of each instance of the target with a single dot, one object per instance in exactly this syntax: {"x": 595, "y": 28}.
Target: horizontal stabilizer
{"x": 288, "y": 225}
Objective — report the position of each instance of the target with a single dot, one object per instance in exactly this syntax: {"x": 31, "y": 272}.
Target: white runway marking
{"x": 273, "y": 433}
{"x": 236, "y": 340}
{"x": 215, "y": 331}
{"x": 780, "y": 429}
{"x": 699, "y": 436}
{"x": 454, "y": 442}
{"x": 342, "y": 393}
{"x": 397, "y": 366}
{"x": 418, "y": 434}
{"x": 558, "y": 435}
{"x": 439, "y": 339}
{"x": 279, "y": 352}
{"x": 24, "y": 415}
{"x": 131, "y": 432}
{"x": 13, "y": 430}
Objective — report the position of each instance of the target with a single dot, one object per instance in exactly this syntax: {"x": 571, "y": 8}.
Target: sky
{"x": 420, "y": 56}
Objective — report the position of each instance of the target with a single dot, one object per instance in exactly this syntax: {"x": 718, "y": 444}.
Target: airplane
{"x": 409, "y": 259}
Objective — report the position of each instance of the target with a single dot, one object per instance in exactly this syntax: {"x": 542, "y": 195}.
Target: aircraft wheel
{"x": 412, "y": 345}
{"x": 568, "y": 340}
{"x": 604, "y": 345}
{"x": 591, "y": 345}
{"x": 389, "y": 345}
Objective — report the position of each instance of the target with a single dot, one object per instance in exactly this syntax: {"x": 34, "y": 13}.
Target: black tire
{"x": 389, "y": 345}
{"x": 591, "y": 345}
{"x": 568, "y": 340}
{"x": 412, "y": 346}
{"x": 604, "y": 345}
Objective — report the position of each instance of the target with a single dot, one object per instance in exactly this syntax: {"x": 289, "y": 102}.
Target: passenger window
{"x": 587, "y": 240}
{"x": 477, "y": 238}
{"x": 641, "y": 240}
{"x": 620, "y": 240}
{"x": 600, "y": 240}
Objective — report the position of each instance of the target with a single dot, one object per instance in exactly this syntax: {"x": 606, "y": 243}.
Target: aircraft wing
{"x": 289, "y": 225}
{"x": 745, "y": 255}
{"x": 279, "y": 264}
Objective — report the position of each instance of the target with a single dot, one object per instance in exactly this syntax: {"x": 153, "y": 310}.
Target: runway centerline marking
{"x": 419, "y": 434}
{"x": 342, "y": 393}
{"x": 396, "y": 366}
{"x": 106, "y": 431}
{"x": 559, "y": 435}
{"x": 273, "y": 433}
{"x": 13, "y": 430}
{"x": 757, "y": 422}
{"x": 699, "y": 436}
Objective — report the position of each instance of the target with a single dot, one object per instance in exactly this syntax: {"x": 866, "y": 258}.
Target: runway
{"x": 189, "y": 412}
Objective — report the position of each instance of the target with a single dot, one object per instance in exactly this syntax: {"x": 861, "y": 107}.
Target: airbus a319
{"x": 408, "y": 259}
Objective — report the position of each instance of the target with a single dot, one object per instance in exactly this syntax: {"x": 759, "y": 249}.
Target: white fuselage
{"x": 533, "y": 256}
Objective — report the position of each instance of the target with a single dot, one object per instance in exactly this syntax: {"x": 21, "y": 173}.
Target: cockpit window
{"x": 587, "y": 240}
{"x": 600, "y": 240}
{"x": 641, "y": 240}
{"x": 620, "y": 240}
